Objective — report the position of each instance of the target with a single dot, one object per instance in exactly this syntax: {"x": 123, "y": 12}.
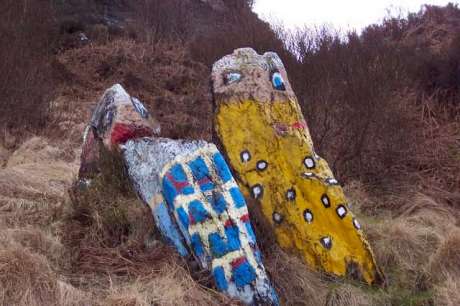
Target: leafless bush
{"x": 25, "y": 40}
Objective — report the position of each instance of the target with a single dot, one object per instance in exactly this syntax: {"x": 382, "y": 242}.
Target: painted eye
{"x": 277, "y": 81}
{"x": 140, "y": 108}
{"x": 232, "y": 77}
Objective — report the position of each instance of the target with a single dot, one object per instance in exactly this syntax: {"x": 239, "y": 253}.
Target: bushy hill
{"x": 383, "y": 108}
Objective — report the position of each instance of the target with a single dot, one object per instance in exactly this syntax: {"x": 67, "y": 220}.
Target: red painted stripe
{"x": 245, "y": 218}
{"x": 299, "y": 125}
{"x": 204, "y": 180}
{"x": 121, "y": 133}
{"x": 228, "y": 223}
{"x": 178, "y": 185}
{"x": 238, "y": 262}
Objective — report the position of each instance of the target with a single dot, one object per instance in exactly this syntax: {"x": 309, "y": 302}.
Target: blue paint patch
{"x": 201, "y": 174}
{"x": 197, "y": 245}
{"x": 220, "y": 247}
{"x": 168, "y": 228}
{"x": 207, "y": 186}
{"x": 251, "y": 234}
{"x": 237, "y": 197}
{"x": 221, "y": 281}
{"x": 197, "y": 211}
{"x": 233, "y": 238}
{"x": 169, "y": 192}
{"x": 278, "y": 82}
{"x": 274, "y": 297}
{"x": 199, "y": 168}
{"x": 244, "y": 274}
{"x": 218, "y": 202}
{"x": 174, "y": 183}
{"x": 183, "y": 217}
{"x": 222, "y": 168}
{"x": 258, "y": 256}
{"x": 178, "y": 173}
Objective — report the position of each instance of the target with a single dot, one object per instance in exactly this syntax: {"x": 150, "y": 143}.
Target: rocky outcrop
{"x": 261, "y": 127}
{"x": 194, "y": 199}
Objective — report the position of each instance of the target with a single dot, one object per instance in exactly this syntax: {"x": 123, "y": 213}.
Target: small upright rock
{"x": 117, "y": 118}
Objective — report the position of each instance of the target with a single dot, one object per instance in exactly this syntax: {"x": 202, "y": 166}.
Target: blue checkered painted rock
{"x": 199, "y": 208}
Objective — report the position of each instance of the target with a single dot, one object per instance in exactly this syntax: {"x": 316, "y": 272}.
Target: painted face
{"x": 119, "y": 117}
{"x": 267, "y": 142}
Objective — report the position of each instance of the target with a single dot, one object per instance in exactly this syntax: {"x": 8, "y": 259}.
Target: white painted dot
{"x": 290, "y": 194}
{"x": 326, "y": 242}
{"x": 262, "y": 165}
{"x": 308, "y": 174}
{"x": 309, "y": 162}
{"x": 356, "y": 224}
{"x": 325, "y": 200}
{"x": 341, "y": 211}
{"x": 245, "y": 156}
{"x": 308, "y": 216}
{"x": 257, "y": 191}
{"x": 331, "y": 181}
{"x": 277, "y": 217}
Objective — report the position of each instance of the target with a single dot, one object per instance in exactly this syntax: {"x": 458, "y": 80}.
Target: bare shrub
{"x": 26, "y": 30}
{"x": 172, "y": 85}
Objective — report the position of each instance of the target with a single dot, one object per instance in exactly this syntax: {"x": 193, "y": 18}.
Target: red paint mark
{"x": 191, "y": 219}
{"x": 238, "y": 262}
{"x": 245, "y": 218}
{"x": 121, "y": 133}
{"x": 204, "y": 180}
{"x": 228, "y": 223}
{"x": 178, "y": 185}
{"x": 300, "y": 125}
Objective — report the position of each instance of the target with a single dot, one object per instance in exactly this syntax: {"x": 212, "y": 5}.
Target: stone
{"x": 199, "y": 208}
{"x": 196, "y": 203}
{"x": 117, "y": 118}
{"x": 267, "y": 142}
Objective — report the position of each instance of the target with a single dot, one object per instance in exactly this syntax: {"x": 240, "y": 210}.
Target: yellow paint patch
{"x": 272, "y": 152}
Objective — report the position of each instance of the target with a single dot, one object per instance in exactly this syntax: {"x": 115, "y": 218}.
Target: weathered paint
{"x": 219, "y": 236}
{"x": 203, "y": 203}
{"x": 119, "y": 117}
{"x": 267, "y": 142}
{"x": 194, "y": 199}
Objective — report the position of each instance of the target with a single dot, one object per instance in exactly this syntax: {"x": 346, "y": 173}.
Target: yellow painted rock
{"x": 267, "y": 142}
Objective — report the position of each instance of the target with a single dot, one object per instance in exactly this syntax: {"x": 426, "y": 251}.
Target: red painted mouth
{"x": 121, "y": 133}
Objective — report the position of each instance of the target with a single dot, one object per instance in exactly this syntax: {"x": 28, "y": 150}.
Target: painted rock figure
{"x": 195, "y": 201}
{"x": 267, "y": 142}
{"x": 189, "y": 187}
{"x": 117, "y": 118}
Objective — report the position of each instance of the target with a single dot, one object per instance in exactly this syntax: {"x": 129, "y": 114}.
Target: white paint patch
{"x": 309, "y": 163}
{"x": 341, "y": 211}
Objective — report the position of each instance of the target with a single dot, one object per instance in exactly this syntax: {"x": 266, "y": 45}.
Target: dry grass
{"x": 171, "y": 285}
{"x": 99, "y": 247}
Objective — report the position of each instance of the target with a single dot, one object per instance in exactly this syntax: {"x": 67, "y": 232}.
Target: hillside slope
{"x": 59, "y": 247}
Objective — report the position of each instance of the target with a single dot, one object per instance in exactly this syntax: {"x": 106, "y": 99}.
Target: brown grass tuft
{"x": 25, "y": 278}
{"x": 171, "y": 285}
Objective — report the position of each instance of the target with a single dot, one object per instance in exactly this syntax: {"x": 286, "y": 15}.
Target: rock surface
{"x": 267, "y": 142}
{"x": 195, "y": 201}
{"x": 117, "y": 118}
{"x": 199, "y": 207}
